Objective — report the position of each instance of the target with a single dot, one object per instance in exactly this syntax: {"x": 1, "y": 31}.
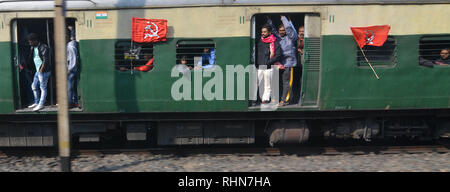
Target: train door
{"x": 297, "y": 20}
{"x": 311, "y": 62}
{"x": 24, "y": 71}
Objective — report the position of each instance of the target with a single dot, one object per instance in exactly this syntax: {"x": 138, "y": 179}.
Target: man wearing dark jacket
{"x": 269, "y": 53}
{"x": 39, "y": 56}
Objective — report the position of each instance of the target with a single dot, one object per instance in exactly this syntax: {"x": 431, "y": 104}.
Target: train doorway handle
{"x": 306, "y": 57}
{"x": 16, "y": 63}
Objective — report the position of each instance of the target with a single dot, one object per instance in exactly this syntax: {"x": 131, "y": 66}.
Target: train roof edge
{"x": 28, "y": 5}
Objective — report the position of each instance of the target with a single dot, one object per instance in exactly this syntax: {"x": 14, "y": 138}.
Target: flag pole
{"x": 369, "y": 63}
{"x": 131, "y": 54}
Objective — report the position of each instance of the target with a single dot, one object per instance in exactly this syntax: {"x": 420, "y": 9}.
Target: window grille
{"x": 126, "y": 58}
{"x": 384, "y": 56}
{"x": 430, "y": 47}
{"x": 192, "y": 50}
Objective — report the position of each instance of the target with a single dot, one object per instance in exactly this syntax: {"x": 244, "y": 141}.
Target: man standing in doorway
{"x": 288, "y": 37}
{"x": 39, "y": 56}
{"x": 301, "y": 40}
{"x": 72, "y": 68}
{"x": 269, "y": 52}
{"x": 300, "y": 50}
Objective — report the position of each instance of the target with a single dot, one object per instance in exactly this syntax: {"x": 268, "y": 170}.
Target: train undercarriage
{"x": 222, "y": 128}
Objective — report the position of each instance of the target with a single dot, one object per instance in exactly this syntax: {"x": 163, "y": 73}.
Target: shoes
{"x": 281, "y": 104}
{"x": 38, "y": 107}
{"x": 33, "y": 105}
{"x": 264, "y": 102}
{"x": 74, "y": 105}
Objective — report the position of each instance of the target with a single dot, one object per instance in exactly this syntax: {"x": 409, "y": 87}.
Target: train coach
{"x": 334, "y": 93}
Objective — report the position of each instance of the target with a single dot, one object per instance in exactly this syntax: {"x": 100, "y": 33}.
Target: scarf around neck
{"x": 270, "y": 39}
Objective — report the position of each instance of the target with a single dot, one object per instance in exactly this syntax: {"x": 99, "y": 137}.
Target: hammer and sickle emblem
{"x": 370, "y": 35}
{"x": 149, "y": 28}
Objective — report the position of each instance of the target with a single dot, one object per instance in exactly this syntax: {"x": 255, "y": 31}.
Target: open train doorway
{"x": 24, "y": 67}
{"x": 294, "y": 74}
{"x": 304, "y": 81}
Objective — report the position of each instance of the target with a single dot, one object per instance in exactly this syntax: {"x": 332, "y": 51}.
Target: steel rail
{"x": 241, "y": 151}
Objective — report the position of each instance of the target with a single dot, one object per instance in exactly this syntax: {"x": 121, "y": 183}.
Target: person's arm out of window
{"x": 425, "y": 62}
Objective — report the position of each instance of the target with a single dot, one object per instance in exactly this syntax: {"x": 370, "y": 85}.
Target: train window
{"x": 192, "y": 51}
{"x": 384, "y": 56}
{"x": 130, "y": 55}
{"x": 430, "y": 48}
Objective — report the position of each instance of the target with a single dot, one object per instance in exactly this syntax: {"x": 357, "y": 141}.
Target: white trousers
{"x": 265, "y": 80}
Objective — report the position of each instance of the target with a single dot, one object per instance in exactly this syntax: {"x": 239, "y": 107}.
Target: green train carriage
{"x": 409, "y": 100}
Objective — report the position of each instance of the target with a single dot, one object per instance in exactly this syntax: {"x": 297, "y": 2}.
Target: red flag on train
{"x": 372, "y": 35}
{"x": 149, "y": 30}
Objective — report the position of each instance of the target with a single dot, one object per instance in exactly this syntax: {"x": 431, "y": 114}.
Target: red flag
{"x": 372, "y": 35}
{"x": 149, "y": 30}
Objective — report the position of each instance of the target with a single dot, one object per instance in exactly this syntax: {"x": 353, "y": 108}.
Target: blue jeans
{"x": 40, "y": 79}
{"x": 71, "y": 87}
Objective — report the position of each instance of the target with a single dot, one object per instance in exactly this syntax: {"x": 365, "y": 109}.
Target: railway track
{"x": 243, "y": 151}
